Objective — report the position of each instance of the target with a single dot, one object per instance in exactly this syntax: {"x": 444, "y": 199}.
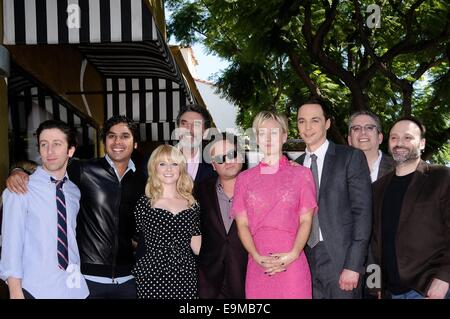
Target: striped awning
{"x": 120, "y": 38}
{"x": 154, "y": 102}
{"x": 77, "y": 21}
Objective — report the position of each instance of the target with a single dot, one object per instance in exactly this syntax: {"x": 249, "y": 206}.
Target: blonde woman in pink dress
{"x": 273, "y": 206}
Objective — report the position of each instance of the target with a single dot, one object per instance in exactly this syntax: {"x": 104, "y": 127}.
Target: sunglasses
{"x": 220, "y": 159}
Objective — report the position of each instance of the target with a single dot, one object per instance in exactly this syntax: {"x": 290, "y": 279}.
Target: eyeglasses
{"x": 369, "y": 128}
{"x": 220, "y": 159}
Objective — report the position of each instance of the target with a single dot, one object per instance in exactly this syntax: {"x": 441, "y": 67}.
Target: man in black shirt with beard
{"x": 411, "y": 230}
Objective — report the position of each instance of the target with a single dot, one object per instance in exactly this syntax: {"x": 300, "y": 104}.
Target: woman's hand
{"x": 263, "y": 261}
{"x": 280, "y": 262}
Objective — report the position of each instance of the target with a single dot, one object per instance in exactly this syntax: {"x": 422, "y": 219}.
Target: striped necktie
{"x": 62, "y": 247}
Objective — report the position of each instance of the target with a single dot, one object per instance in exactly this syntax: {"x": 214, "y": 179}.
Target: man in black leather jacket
{"x": 110, "y": 187}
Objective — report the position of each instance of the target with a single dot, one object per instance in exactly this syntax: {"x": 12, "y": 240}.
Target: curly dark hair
{"x": 118, "y": 119}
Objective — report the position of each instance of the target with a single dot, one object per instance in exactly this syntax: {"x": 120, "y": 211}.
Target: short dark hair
{"x": 323, "y": 104}
{"x": 71, "y": 136}
{"x": 415, "y": 121}
{"x": 118, "y": 119}
{"x": 207, "y": 119}
{"x": 368, "y": 113}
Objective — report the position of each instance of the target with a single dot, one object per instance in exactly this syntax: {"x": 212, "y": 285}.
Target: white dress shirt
{"x": 376, "y": 167}
{"x": 320, "y": 153}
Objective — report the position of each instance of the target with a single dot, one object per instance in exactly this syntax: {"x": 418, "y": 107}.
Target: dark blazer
{"x": 205, "y": 171}
{"x": 423, "y": 235}
{"x": 222, "y": 257}
{"x": 387, "y": 164}
{"x": 345, "y": 206}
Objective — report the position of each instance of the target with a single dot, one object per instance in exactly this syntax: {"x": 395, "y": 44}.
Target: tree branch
{"x": 315, "y": 51}
{"x": 404, "y": 85}
{"x": 307, "y": 26}
{"x": 298, "y": 68}
{"x": 220, "y": 28}
{"x": 325, "y": 27}
{"x": 406, "y": 45}
{"x": 425, "y": 66}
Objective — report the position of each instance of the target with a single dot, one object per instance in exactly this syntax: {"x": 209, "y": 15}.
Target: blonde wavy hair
{"x": 154, "y": 187}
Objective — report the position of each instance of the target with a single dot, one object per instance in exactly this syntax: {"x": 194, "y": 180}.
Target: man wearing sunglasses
{"x": 222, "y": 258}
{"x": 364, "y": 133}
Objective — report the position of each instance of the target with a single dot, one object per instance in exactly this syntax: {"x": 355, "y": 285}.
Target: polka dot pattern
{"x": 168, "y": 269}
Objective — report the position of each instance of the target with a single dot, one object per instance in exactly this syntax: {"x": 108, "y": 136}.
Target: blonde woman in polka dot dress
{"x": 168, "y": 217}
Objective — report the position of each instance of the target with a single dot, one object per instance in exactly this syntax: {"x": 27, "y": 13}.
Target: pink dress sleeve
{"x": 239, "y": 207}
{"x": 307, "y": 193}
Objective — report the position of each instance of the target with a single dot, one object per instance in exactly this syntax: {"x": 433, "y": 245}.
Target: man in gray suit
{"x": 365, "y": 133}
{"x": 338, "y": 244}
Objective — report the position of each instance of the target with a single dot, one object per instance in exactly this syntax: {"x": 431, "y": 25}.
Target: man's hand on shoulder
{"x": 17, "y": 182}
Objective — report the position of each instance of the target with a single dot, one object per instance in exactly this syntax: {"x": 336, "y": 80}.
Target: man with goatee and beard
{"x": 411, "y": 229}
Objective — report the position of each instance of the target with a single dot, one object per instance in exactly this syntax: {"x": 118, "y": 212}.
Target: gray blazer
{"x": 345, "y": 206}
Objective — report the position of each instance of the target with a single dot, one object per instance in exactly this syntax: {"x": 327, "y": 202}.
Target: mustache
{"x": 399, "y": 148}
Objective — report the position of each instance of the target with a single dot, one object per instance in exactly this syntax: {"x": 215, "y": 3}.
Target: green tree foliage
{"x": 281, "y": 52}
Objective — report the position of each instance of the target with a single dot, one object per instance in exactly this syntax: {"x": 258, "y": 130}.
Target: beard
{"x": 403, "y": 157}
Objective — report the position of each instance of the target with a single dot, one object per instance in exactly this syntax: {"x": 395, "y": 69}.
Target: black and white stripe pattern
{"x": 153, "y": 102}
{"x": 151, "y": 59}
{"x": 156, "y": 131}
{"x": 77, "y": 21}
{"x": 33, "y": 105}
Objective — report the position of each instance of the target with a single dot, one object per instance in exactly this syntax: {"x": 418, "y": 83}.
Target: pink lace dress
{"x": 273, "y": 201}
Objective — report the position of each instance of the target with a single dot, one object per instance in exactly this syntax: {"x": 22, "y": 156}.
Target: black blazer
{"x": 222, "y": 258}
{"x": 387, "y": 164}
{"x": 345, "y": 206}
{"x": 205, "y": 171}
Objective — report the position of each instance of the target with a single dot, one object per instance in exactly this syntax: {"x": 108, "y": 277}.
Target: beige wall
{"x": 58, "y": 68}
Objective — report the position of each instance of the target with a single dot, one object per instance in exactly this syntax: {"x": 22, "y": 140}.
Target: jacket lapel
{"x": 327, "y": 166}
{"x": 386, "y": 165}
{"x": 301, "y": 159}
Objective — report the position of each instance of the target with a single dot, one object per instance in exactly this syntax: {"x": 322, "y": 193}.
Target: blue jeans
{"x": 412, "y": 294}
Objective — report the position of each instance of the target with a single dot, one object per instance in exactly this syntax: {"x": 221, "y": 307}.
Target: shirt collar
{"x": 130, "y": 163}
{"x": 220, "y": 190}
{"x": 378, "y": 161}
{"x": 282, "y": 162}
{"x": 42, "y": 173}
{"x": 321, "y": 151}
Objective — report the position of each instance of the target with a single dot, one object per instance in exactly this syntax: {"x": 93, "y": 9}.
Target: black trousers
{"x": 27, "y": 295}
{"x": 126, "y": 290}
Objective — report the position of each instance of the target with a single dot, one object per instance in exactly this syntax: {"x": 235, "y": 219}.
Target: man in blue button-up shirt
{"x": 29, "y": 260}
